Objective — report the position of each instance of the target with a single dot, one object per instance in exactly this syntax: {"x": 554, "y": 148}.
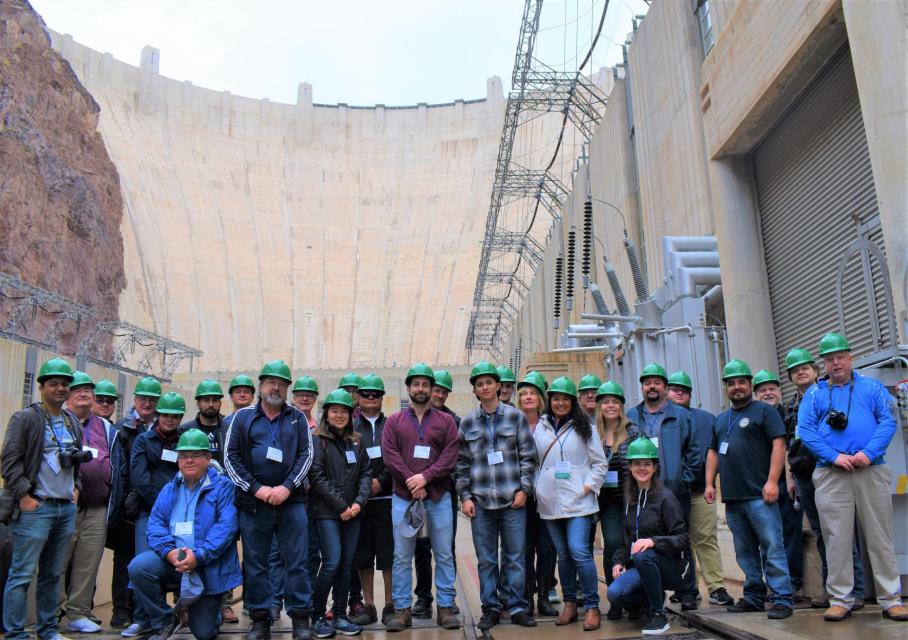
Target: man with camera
{"x": 40, "y": 468}
{"x": 847, "y": 422}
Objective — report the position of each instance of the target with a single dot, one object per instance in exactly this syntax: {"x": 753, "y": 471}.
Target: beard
{"x": 273, "y": 399}
{"x": 210, "y": 413}
{"x": 419, "y": 397}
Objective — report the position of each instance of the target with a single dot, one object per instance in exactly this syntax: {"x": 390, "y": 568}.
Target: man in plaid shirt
{"x": 495, "y": 466}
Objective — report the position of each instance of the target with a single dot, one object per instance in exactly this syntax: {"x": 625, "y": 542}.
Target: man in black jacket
{"x": 40, "y": 467}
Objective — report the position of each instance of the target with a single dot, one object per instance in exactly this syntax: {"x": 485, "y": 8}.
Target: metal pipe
{"x": 594, "y": 335}
{"x": 611, "y": 317}
{"x": 580, "y": 349}
{"x": 662, "y": 332}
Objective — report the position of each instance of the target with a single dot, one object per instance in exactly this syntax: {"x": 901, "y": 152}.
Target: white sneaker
{"x": 135, "y": 630}
{"x": 83, "y": 625}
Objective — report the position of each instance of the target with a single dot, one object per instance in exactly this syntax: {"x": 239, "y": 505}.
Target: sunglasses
{"x": 370, "y": 395}
{"x": 101, "y": 400}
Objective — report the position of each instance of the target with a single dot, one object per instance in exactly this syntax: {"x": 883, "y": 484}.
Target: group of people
{"x": 320, "y": 502}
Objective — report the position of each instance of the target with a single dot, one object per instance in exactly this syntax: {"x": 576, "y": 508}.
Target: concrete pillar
{"x": 876, "y": 36}
{"x": 304, "y": 113}
{"x": 495, "y": 103}
{"x": 149, "y": 63}
{"x": 745, "y": 287}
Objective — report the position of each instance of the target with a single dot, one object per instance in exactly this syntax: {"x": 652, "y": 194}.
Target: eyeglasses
{"x": 186, "y": 455}
{"x": 370, "y": 395}
{"x": 102, "y": 400}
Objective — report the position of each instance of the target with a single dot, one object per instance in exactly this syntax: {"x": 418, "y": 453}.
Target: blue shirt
{"x": 55, "y": 481}
{"x": 871, "y": 421}
{"x": 184, "y": 511}
{"x": 652, "y": 422}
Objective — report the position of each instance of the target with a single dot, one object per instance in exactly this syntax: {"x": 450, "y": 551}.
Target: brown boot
{"x": 836, "y": 613}
{"x": 402, "y": 619}
{"x": 897, "y": 612}
{"x": 446, "y": 619}
{"x": 568, "y": 614}
{"x": 592, "y": 619}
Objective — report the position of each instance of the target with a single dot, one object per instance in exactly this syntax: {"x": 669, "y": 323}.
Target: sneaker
{"x": 656, "y": 624}
{"x": 83, "y": 625}
{"x": 675, "y": 598}
{"x": 688, "y": 602}
{"x": 523, "y": 619}
{"x": 323, "y": 629}
{"x": 720, "y": 596}
{"x": 743, "y": 606}
{"x": 135, "y": 630}
{"x": 356, "y": 609}
{"x": 120, "y": 619}
{"x": 422, "y": 608}
{"x": 368, "y": 615}
{"x": 343, "y": 625}
{"x": 553, "y": 597}
{"x": 57, "y": 636}
{"x": 166, "y": 632}
{"x": 93, "y": 618}
{"x": 488, "y": 620}
{"x": 779, "y": 612}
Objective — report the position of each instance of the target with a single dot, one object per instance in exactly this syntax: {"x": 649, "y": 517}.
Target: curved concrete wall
{"x": 319, "y": 234}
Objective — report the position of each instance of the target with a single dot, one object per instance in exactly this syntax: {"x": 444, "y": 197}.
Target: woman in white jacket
{"x": 571, "y": 472}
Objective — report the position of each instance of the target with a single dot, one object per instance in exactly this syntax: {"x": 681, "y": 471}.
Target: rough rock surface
{"x": 60, "y": 200}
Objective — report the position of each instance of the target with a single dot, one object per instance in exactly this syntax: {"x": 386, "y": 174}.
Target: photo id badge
{"x": 495, "y": 457}
{"x": 421, "y": 452}
{"x": 374, "y": 452}
{"x": 169, "y": 455}
{"x": 92, "y": 450}
{"x": 351, "y": 457}
{"x": 611, "y": 478}
{"x": 655, "y": 442}
{"x": 52, "y": 461}
{"x": 563, "y": 469}
{"x": 723, "y": 448}
{"x": 182, "y": 528}
{"x": 274, "y": 454}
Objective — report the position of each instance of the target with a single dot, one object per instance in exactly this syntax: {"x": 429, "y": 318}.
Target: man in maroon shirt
{"x": 419, "y": 447}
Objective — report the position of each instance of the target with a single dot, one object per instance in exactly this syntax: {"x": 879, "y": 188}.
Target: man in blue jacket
{"x": 847, "y": 421}
{"x": 192, "y": 528}
{"x": 269, "y": 452}
{"x": 681, "y": 454}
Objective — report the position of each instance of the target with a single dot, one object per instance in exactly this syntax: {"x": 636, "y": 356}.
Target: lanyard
{"x": 609, "y": 454}
{"x": 420, "y": 429}
{"x": 645, "y": 495}
{"x": 190, "y": 495}
{"x": 54, "y": 434}
{"x": 271, "y": 428}
{"x": 652, "y": 422}
{"x": 492, "y": 424}
{"x": 850, "y": 392}
{"x": 732, "y": 419}
{"x": 566, "y": 432}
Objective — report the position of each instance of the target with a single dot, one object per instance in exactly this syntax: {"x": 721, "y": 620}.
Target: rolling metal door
{"x": 816, "y": 194}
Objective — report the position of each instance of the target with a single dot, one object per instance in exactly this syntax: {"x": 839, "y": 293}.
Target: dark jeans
{"x": 571, "y": 537}
{"x": 646, "y": 581}
{"x": 757, "y": 526}
{"x": 290, "y": 524}
{"x": 540, "y": 555}
{"x": 806, "y": 493}
{"x": 276, "y": 572}
{"x": 338, "y": 544}
{"x": 611, "y": 520}
{"x": 792, "y": 537}
{"x": 688, "y": 584}
{"x": 121, "y": 538}
{"x": 423, "y": 558}
{"x": 509, "y": 527}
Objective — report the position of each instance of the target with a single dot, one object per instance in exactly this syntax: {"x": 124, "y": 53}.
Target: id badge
{"x": 562, "y": 469}
{"x": 168, "y": 455}
{"x": 52, "y": 461}
{"x": 182, "y": 528}
{"x": 274, "y": 454}
{"x": 655, "y": 442}
{"x": 374, "y": 452}
{"x": 611, "y": 478}
{"x": 422, "y": 452}
{"x": 495, "y": 457}
{"x": 351, "y": 457}
{"x": 92, "y": 450}
{"x": 723, "y": 448}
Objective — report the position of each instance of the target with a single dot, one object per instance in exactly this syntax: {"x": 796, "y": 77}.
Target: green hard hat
{"x": 241, "y": 380}
{"x": 506, "y": 374}
{"x": 444, "y": 380}
{"x": 680, "y": 379}
{"x": 642, "y": 449}
{"x": 306, "y": 383}
{"x": 148, "y": 387}
{"x": 736, "y": 369}
{"x": 372, "y": 382}
{"x": 172, "y": 403}
{"x": 534, "y": 379}
{"x": 654, "y": 370}
{"x": 276, "y": 369}
{"x": 338, "y": 396}
{"x": 589, "y": 381}
{"x": 55, "y": 368}
{"x": 832, "y": 342}
{"x": 610, "y": 388}
{"x": 484, "y": 368}
{"x": 563, "y": 385}
{"x": 420, "y": 369}
{"x": 193, "y": 440}
{"x": 209, "y": 388}
{"x": 796, "y": 357}
{"x": 765, "y": 376}
{"x": 81, "y": 379}
{"x": 349, "y": 380}
{"x": 106, "y": 388}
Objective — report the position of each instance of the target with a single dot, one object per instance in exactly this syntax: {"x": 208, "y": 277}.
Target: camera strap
{"x": 67, "y": 423}
{"x": 850, "y": 393}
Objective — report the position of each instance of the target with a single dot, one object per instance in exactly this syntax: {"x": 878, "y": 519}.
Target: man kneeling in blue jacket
{"x": 192, "y": 528}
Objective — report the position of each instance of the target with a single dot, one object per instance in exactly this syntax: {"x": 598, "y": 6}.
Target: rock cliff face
{"x": 60, "y": 200}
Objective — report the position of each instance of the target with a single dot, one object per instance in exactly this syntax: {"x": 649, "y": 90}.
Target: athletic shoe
{"x": 83, "y": 625}
{"x": 743, "y": 606}
{"x": 688, "y": 602}
{"x": 553, "y": 597}
{"x": 135, "y": 630}
{"x": 488, "y": 620}
{"x": 656, "y": 624}
{"x": 343, "y": 625}
{"x": 720, "y": 596}
{"x": 323, "y": 629}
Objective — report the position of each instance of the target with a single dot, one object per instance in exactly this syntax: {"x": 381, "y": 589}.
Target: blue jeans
{"x": 149, "y": 573}
{"x": 508, "y": 525}
{"x": 755, "y": 527}
{"x": 792, "y": 537}
{"x": 807, "y": 492}
{"x": 539, "y": 556}
{"x": 314, "y": 560}
{"x": 441, "y": 533}
{"x": 571, "y": 537}
{"x": 338, "y": 543}
{"x": 611, "y": 520}
{"x": 138, "y": 614}
{"x": 41, "y": 539}
{"x": 646, "y": 581}
{"x": 290, "y": 524}
{"x": 276, "y": 571}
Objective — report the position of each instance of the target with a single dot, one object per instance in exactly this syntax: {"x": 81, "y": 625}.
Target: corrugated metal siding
{"x": 814, "y": 183}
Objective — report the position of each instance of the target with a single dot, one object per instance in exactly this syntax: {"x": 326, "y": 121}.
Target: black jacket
{"x": 614, "y": 496}
{"x": 148, "y": 471}
{"x": 661, "y": 519}
{"x": 220, "y": 434}
{"x": 336, "y": 483}
{"x": 376, "y": 465}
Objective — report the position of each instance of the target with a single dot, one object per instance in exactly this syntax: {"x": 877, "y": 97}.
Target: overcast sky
{"x": 361, "y": 52}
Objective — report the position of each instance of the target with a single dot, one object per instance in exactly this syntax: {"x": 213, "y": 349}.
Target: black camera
{"x": 837, "y": 420}
{"x": 71, "y": 456}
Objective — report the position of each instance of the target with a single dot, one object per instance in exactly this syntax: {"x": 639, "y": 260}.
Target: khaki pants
{"x": 82, "y": 561}
{"x": 704, "y": 541}
{"x": 839, "y": 494}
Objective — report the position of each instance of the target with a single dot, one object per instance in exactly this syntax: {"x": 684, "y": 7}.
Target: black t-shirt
{"x": 749, "y": 432}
